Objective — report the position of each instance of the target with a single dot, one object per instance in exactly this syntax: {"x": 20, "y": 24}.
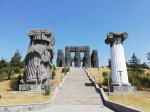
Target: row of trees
{"x": 134, "y": 64}
{"x": 7, "y": 68}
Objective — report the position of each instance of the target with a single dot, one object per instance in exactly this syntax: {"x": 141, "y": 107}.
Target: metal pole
{"x": 65, "y": 69}
{"x": 108, "y": 85}
{"x": 99, "y": 76}
{"x": 121, "y": 86}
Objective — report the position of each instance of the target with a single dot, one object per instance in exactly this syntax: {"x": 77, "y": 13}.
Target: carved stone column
{"x": 94, "y": 59}
{"x": 77, "y": 57}
{"x": 118, "y": 62}
{"x": 60, "y": 58}
{"x": 38, "y": 61}
{"x": 67, "y": 56}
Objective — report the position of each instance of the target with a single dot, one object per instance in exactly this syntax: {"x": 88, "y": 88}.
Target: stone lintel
{"x": 78, "y": 48}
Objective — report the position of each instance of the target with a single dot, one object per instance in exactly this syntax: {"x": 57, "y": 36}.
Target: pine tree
{"x": 134, "y": 63}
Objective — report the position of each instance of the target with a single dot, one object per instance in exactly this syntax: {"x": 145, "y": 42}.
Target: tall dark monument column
{"x": 60, "y": 62}
{"x": 77, "y": 57}
{"x": 94, "y": 59}
{"x": 67, "y": 56}
{"x": 86, "y": 58}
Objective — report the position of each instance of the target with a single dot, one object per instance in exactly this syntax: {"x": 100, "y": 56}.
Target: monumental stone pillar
{"x": 118, "y": 62}
{"x": 77, "y": 57}
{"x": 86, "y": 58}
{"x": 67, "y": 56}
{"x": 38, "y": 61}
{"x": 94, "y": 59}
{"x": 60, "y": 62}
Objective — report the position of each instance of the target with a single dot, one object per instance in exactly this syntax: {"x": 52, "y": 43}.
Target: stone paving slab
{"x": 77, "y": 108}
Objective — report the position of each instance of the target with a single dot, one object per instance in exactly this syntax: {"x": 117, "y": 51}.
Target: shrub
{"x": 14, "y": 83}
{"x": 138, "y": 79}
{"x": 47, "y": 89}
{"x": 105, "y": 82}
{"x": 53, "y": 74}
{"x": 54, "y": 68}
{"x": 105, "y": 74}
{"x": 1, "y": 76}
{"x": 67, "y": 69}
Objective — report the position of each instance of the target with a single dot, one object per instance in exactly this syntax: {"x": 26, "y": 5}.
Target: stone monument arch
{"x": 86, "y": 60}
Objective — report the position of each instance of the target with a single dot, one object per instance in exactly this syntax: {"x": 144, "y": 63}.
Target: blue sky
{"x": 76, "y": 23}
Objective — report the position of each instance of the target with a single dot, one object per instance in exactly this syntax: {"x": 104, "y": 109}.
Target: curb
{"x": 112, "y": 105}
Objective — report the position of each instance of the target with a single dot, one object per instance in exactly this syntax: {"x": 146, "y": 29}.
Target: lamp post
{"x": 99, "y": 76}
{"x": 108, "y": 84}
{"x": 40, "y": 87}
{"x": 121, "y": 86}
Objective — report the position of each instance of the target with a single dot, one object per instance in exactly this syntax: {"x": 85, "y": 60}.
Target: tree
{"x": 2, "y": 63}
{"x": 148, "y": 56}
{"x": 134, "y": 63}
{"x": 109, "y": 63}
{"x": 144, "y": 66}
{"x": 16, "y": 63}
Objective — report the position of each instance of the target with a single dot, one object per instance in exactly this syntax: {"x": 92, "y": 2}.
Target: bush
{"x": 105, "y": 74}
{"x": 47, "y": 89}
{"x": 54, "y": 68}
{"x": 67, "y": 69}
{"x": 14, "y": 83}
{"x": 138, "y": 79}
{"x": 105, "y": 82}
{"x": 1, "y": 76}
{"x": 53, "y": 74}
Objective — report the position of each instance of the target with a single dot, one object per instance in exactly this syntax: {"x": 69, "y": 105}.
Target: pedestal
{"x": 126, "y": 89}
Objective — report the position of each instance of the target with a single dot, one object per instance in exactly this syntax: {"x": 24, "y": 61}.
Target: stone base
{"x": 29, "y": 87}
{"x": 126, "y": 89}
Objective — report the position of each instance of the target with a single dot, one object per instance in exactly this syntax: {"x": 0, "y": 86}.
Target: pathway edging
{"x": 110, "y": 104}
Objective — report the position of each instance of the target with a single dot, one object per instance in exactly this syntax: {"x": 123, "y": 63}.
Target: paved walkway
{"x": 77, "y": 95}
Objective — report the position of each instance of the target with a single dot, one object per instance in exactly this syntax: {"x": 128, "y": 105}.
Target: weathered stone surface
{"x": 118, "y": 63}
{"x": 38, "y": 61}
{"x": 60, "y": 58}
{"x": 67, "y": 56}
{"x": 77, "y": 59}
{"x": 86, "y": 59}
{"x": 94, "y": 59}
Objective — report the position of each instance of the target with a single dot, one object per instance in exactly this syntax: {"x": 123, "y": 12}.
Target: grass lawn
{"x": 10, "y": 99}
{"x": 98, "y": 74}
{"x": 139, "y": 101}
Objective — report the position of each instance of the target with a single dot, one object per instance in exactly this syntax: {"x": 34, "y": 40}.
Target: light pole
{"x": 108, "y": 84}
{"x": 99, "y": 76}
{"x": 40, "y": 87}
{"x": 121, "y": 86}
